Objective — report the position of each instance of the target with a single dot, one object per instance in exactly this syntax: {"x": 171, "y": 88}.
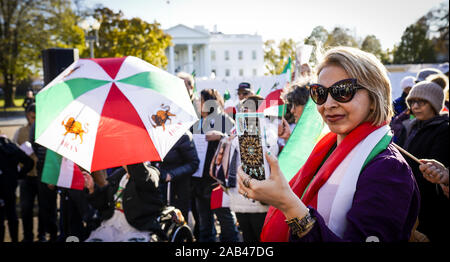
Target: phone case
{"x": 250, "y": 130}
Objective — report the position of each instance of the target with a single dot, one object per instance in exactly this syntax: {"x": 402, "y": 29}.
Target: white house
{"x": 214, "y": 53}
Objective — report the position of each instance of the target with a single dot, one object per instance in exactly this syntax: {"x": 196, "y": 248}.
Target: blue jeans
{"x": 228, "y": 229}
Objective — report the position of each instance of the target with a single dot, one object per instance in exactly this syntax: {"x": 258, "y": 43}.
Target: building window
{"x": 213, "y": 55}
{"x": 254, "y": 54}
{"x": 255, "y": 72}
{"x": 241, "y": 72}
{"x": 241, "y": 55}
{"x": 227, "y": 55}
{"x": 227, "y": 72}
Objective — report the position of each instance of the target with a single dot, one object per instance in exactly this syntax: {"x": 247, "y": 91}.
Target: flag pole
{"x": 407, "y": 153}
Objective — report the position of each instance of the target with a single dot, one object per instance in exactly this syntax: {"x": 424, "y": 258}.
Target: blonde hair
{"x": 369, "y": 72}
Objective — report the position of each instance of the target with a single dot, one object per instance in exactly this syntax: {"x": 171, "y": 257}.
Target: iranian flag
{"x": 273, "y": 105}
{"x": 61, "y": 172}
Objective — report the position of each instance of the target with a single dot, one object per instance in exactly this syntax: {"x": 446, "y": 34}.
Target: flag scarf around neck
{"x": 354, "y": 152}
{"x": 61, "y": 172}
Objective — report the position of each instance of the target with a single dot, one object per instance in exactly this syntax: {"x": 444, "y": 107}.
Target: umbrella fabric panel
{"x": 121, "y": 130}
{"x": 164, "y": 120}
{"x": 73, "y": 132}
{"x": 165, "y": 84}
{"x": 58, "y": 97}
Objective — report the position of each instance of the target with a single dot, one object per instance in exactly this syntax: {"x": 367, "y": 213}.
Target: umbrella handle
{"x": 168, "y": 193}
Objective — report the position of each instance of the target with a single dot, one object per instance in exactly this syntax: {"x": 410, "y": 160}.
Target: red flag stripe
{"x": 110, "y": 65}
{"x": 77, "y": 178}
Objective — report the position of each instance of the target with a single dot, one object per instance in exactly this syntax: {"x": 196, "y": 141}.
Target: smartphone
{"x": 250, "y": 130}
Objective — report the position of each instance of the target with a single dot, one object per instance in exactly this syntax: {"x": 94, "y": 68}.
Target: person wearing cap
{"x": 400, "y": 104}
{"x": 426, "y": 72}
{"x": 244, "y": 90}
{"x": 426, "y": 137}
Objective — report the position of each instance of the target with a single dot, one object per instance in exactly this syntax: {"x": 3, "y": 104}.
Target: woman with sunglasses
{"x": 426, "y": 137}
{"x": 355, "y": 185}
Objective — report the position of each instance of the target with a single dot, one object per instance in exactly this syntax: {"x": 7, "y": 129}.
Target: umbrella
{"x": 108, "y": 112}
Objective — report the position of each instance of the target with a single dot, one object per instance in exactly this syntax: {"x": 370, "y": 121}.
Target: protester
{"x": 346, "y": 200}
{"x": 441, "y": 80}
{"x": 30, "y": 184}
{"x": 296, "y": 96}
{"x": 244, "y": 90}
{"x": 400, "y": 103}
{"x": 435, "y": 172}
{"x": 426, "y": 72}
{"x": 426, "y": 137}
{"x": 214, "y": 124}
{"x": 129, "y": 203}
{"x": 47, "y": 195}
{"x": 250, "y": 214}
{"x": 177, "y": 168}
{"x": 219, "y": 171}
{"x": 10, "y": 156}
{"x": 29, "y": 99}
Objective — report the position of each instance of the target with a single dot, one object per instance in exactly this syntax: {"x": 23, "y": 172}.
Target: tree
{"x": 415, "y": 47}
{"x": 130, "y": 37}
{"x": 438, "y": 21}
{"x": 340, "y": 37}
{"x": 277, "y": 58}
{"x": 26, "y": 28}
{"x": 317, "y": 38}
{"x": 372, "y": 45}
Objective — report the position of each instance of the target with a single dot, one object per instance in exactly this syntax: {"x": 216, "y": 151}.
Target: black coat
{"x": 180, "y": 162}
{"x": 430, "y": 142}
{"x": 142, "y": 203}
{"x": 10, "y": 156}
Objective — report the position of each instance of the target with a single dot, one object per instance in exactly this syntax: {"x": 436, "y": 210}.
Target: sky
{"x": 278, "y": 19}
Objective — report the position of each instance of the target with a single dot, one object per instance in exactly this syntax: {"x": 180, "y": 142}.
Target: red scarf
{"x": 275, "y": 228}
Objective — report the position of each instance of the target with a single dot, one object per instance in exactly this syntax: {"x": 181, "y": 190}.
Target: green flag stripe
{"x": 52, "y": 167}
{"x": 162, "y": 83}
{"x": 52, "y": 101}
{"x": 380, "y": 146}
{"x": 302, "y": 141}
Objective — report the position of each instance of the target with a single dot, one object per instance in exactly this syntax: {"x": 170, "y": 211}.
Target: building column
{"x": 190, "y": 63}
{"x": 207, "y": 60}
{"x": 172, "y": 59}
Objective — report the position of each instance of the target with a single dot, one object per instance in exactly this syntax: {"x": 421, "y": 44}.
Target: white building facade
{"x": 213, "y": 54}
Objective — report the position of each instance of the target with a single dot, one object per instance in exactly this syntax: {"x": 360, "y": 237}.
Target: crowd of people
{"x": 381, "y": 172}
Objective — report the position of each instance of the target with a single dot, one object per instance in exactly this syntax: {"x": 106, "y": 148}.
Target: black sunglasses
{"x": 342, "y": 91}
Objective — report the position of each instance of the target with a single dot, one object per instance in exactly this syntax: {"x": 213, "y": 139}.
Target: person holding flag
{"x": 355, "y": 186}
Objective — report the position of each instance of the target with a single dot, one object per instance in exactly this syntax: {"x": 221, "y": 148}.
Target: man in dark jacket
{"x": 177, "y": 168}
{"x": 10, "y": 156}
{"x": 129, "y": 203}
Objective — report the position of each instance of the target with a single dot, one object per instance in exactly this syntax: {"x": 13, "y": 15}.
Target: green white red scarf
{"x": 330, "y": 190}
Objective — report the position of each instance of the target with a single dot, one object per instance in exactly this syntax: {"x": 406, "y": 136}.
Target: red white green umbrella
{"x": 108, "y": 112}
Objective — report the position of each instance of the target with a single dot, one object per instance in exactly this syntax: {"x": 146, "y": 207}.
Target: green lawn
{"x": 18, "y": 102}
